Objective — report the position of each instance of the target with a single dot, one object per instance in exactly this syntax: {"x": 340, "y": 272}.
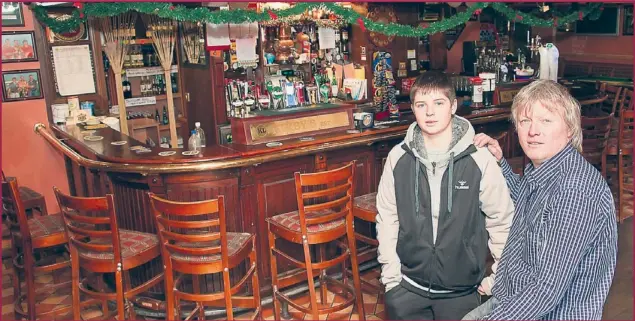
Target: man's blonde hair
{"x": 555, "y": 98}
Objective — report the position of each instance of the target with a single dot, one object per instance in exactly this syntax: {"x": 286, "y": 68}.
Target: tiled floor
{"x": 619, "y": 305}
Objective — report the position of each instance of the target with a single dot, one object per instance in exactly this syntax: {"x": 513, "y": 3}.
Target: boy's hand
{"x": 482, "y": 140}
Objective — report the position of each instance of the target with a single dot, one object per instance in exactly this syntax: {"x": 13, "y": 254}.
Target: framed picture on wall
{"x": 12, "y": 15}
{"x": 627, "y": 27}
{"x": 21, "y": 85}
{"x": 18, "y": 46}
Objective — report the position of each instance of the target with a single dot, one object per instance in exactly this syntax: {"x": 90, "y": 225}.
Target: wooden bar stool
{"x": 31, "y": 199}
{"x": 97, "y": 245}
{"x": 365, "y": 209}
{"x": 328, "y": 218}
{"x": 595, "y": 133}
{"x": 41, "y": 241}
{"x": 190, "y": 245}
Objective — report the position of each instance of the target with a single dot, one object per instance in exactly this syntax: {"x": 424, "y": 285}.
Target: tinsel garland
{"x": 204, "y": 15}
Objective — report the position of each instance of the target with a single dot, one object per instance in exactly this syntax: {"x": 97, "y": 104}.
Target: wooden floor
{"x": 619, "y": 305}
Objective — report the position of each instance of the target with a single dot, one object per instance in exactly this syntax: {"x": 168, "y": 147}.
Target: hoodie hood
{"x": 462, "y": 139}
{"x": 460, "y": 146}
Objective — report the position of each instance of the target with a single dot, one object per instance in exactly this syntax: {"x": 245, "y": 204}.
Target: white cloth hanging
{"x": 218, "y": 37}
{"x": 549, "y": 55}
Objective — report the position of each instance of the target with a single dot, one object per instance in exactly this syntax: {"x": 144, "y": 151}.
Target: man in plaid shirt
{"x": 560, "y": 256}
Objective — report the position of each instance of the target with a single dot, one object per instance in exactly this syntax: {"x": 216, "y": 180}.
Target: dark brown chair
{"x": 38, "y": 244}
{"x": 595, "y": 133}
{"x": 31, "y": 200}
{"x": 624, "y": 170}
{"x": 98, "y": 245}
{"x": 593, "y": 107}
{"x": 365, "y": 209}
{"x": 614, "y": 94}
{"x": 328, "y": 218}
{"x": 194, "y": 241}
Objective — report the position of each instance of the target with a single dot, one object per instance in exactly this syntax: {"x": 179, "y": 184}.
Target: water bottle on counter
{"x": 194, "y": 143}
{"x": 200, "y": 132}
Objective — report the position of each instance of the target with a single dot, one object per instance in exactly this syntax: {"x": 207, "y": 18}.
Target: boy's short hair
{"x": 431, "y": 81}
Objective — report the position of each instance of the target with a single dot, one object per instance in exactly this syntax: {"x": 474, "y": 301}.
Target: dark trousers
{"x": 403, "y": 304}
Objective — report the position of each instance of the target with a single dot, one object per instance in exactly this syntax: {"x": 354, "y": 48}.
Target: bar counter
{"x": 257, "y": 181}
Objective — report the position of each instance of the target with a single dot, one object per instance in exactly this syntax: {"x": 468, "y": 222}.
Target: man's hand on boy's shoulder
{"x": 482, "y": 140}
{"x": 485, "y": 288}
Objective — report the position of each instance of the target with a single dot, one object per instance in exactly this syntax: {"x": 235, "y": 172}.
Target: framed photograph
{"x": 627, "y": 27}
{"x": 12, "y": 15}
{"x": 21, "y": 85}
{"x": 18, "y": 46}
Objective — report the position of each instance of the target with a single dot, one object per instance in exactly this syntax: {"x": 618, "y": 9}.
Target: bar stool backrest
{"x": 625, "y": 136}
{"x": 324, "y": 197}
{"x": 595, "y": 133}
{"x": 12, "y": 205}
{"x": 627, "y": 100}
{"x": 615, "y": 96}
{"x": 196, "y": 230}
{"x": 91, "y": 226}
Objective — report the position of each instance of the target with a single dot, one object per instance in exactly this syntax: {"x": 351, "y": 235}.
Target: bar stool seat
{"x": 291, "y": 221}
{"x": 365, "y": 207}
{"x": 235, "y": 243}
{"x": 133, "y": 244}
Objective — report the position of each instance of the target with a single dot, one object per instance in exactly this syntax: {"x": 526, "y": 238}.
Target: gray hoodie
{"x": 451, "y": 210}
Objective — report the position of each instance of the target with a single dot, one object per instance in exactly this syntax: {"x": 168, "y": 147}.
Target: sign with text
{"x": 281, "y": 128}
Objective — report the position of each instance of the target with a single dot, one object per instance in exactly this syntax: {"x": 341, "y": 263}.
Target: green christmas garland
{"x": 204, "y": 15}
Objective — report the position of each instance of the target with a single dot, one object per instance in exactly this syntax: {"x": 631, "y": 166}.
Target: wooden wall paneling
{"x": 199, "y": 103}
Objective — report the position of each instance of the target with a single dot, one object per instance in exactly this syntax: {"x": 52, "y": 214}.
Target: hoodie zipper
{"x": 434, "y": 166}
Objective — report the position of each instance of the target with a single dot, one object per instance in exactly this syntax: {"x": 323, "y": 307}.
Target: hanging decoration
{"x": 115, "y": 30}
{"x": 163, "y": 36}
{"x": 346, "y": 14}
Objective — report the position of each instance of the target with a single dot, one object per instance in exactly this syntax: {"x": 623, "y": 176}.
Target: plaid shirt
{"x": 560, "y": 256}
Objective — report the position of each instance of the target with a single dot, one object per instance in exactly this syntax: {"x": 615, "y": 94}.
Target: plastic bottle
{"x": 200, "y": 132}
{"x": 194, "y": 143}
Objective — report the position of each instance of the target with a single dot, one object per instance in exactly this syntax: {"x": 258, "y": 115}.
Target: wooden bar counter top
{"x": 257, "y": 181}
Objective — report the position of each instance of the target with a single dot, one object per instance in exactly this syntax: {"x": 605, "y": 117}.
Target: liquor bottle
{"x": 175, "y": 85}
{"x": 156, "y": 116}
{"x": 125, "y": 84}
{"x": 165, "y": 116}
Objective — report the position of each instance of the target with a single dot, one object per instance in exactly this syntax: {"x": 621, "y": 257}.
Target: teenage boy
{"x": 439, "y": 201}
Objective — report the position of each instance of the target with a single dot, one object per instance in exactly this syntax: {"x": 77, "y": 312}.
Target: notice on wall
{"x": 73, "y": 70}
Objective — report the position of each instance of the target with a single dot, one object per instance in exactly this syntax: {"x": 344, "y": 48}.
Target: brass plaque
{"x": 281, "y": 128}
{"x": 508, "y": 95}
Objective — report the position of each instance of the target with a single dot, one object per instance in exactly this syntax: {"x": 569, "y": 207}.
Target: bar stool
{"x": 41, "y": 240}
{"x": 327, "y": 219}
{"x": 365, "y": 209}
{"x": 190, "y": 245}
{"x": 98, "y": 245}
{"x": 31, "y": 199}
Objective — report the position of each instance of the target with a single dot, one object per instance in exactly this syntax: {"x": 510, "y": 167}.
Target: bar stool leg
{"x": 309, "y": 274}
{"x": 253, "y": 259}
{"x": 75, "y": 284}
{"x": 169, "y": 291}
{"x": 274, "y": 274}
{"x": 121, "y": 310}
{"x": 16, "y": 273}
{"x": 228, "y": 295}
{"x": 30, "y": 285}
{"x": 352, "y": 246}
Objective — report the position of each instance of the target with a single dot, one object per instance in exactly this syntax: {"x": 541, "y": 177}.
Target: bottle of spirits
{"x": 156, "y": 116}
{"x": 127, "y": 92}
{"x": 165, "y": 116}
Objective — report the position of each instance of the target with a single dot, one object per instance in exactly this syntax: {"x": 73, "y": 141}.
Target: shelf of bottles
{"x": 296, "y": 71}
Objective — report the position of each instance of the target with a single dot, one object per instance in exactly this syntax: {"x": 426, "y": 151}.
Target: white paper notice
{"x": 73, "y": 70}
{"x": 246, "y": 49}
{"x": 326, "y": 36}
